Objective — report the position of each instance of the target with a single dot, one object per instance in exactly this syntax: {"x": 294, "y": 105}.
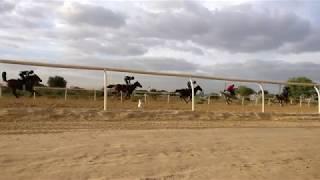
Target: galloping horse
{"x": 187, "y": 93}
{"x": 227, "y": 96}
{"x": 282, "y": 99}
{"x": 18, "y": 84}
{"x": 128, "y": 89}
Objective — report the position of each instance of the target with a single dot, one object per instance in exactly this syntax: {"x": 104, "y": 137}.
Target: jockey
{"x": 25, "y": 74}
{"x": 127, "y": 79}
{"x": 231, "y": 89}
{"x": 285, "y": 92}
{"x": 189, "y": 84}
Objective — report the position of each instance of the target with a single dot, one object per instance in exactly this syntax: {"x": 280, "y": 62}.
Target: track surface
{"x": 225, "y": 153}
{"x": 81, "y": 143}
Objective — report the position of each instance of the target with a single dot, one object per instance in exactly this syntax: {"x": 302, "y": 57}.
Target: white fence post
{"x": 317, "y": 90}
{"x": 95, "y": 95}
{"x": 34, "y": 95}
{"x": 66, "y": 94}
{"x": 145, "y": 98}
{"x": 168, "y": 100}
{"x": 105, "y": 98}
{"x": 192, "y": 95}
{"x": 262, "y": 97}
{"x": 209, "y": 99}
{"x": 121, "y": 96}
{"x": 280, "y": 88}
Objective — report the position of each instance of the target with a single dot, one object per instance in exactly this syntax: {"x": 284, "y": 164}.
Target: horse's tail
{"x": 111, "y": 86}
{"x": 4, "y": 76}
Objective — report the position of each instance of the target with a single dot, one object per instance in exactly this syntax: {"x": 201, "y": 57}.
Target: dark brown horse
{"x": 127, "y": 89}
{"x": 186, "y": 94}
{"x": 18, "y": 84}
{"x": 282, "y": 99}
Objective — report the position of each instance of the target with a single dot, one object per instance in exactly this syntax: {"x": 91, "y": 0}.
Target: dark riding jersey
{"x": 25, "y": 74}
{"x": 189, "y": 84}
{"x": 285, "y": 92}
{"x": 127, "y": 79}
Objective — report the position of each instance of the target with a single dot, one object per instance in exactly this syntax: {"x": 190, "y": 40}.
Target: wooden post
{"x": 34, "y": 95}
{"x": 95, "y": 95}
{"x": 257, "y": 99}
{"x": 168, "y": 100}
{"x": 262, "y": 101}
{"x": 0, "y": 91}
{"x": 192, "y": 95}
{"x": 209, "y": 99}
{"x": 145, "y": 98}
{"x": 242, "y": 101}
{"x": 65, "y": 94}
{"x": 300, "y": 101}
{"x": 105, "y": 97}
{"x": 121, "y": 96}
{"x": 318, "y": 93}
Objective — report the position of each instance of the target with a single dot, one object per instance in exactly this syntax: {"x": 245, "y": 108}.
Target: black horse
{"x": 186, "y": 94}
{"x": 284, "y": 96}
{"x": 126, "y": 89}
{"x": 18, "y": 84}
{"x": 282, "y": 99}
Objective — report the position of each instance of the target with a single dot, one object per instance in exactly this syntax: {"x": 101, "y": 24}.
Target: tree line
{"x": 295, "y": 91}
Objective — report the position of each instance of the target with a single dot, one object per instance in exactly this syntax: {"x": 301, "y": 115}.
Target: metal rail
{"x": 95, "y": 68}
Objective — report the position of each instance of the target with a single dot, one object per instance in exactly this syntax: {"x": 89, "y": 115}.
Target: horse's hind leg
{"x": 14, "y": 92}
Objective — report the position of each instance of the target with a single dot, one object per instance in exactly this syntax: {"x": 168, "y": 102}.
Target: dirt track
{"x": 44, "y": 120}
{"x": 58, "y": 142}
{"x": 226, "y": 154}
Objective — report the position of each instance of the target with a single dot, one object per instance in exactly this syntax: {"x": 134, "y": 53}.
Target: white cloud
{"x": 182, "y": 35}
{"x": 93, "y": 15}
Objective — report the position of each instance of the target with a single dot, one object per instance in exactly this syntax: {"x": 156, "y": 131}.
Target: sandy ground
{"x": 82, "y": 143}
{"x": 223, "y": 153}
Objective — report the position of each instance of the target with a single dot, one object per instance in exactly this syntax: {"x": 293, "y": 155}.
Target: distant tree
{"x": 75, "y": 87}
{"x": 244, "y": 91}
{"x": 297, "y": 91}
{"x": 153, "y": 90}
{"x": 57, "y": 81}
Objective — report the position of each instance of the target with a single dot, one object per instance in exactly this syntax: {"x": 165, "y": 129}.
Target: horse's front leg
{"x": 14, "y": 92}
{"x": 185, "y": 100}
{"x": 228, "y": 100}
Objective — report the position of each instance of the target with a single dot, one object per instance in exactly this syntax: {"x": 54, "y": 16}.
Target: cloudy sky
{"x": 269, "y": 39}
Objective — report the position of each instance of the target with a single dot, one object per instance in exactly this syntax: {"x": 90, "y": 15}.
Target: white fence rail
{"x": 189, "y": 76}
